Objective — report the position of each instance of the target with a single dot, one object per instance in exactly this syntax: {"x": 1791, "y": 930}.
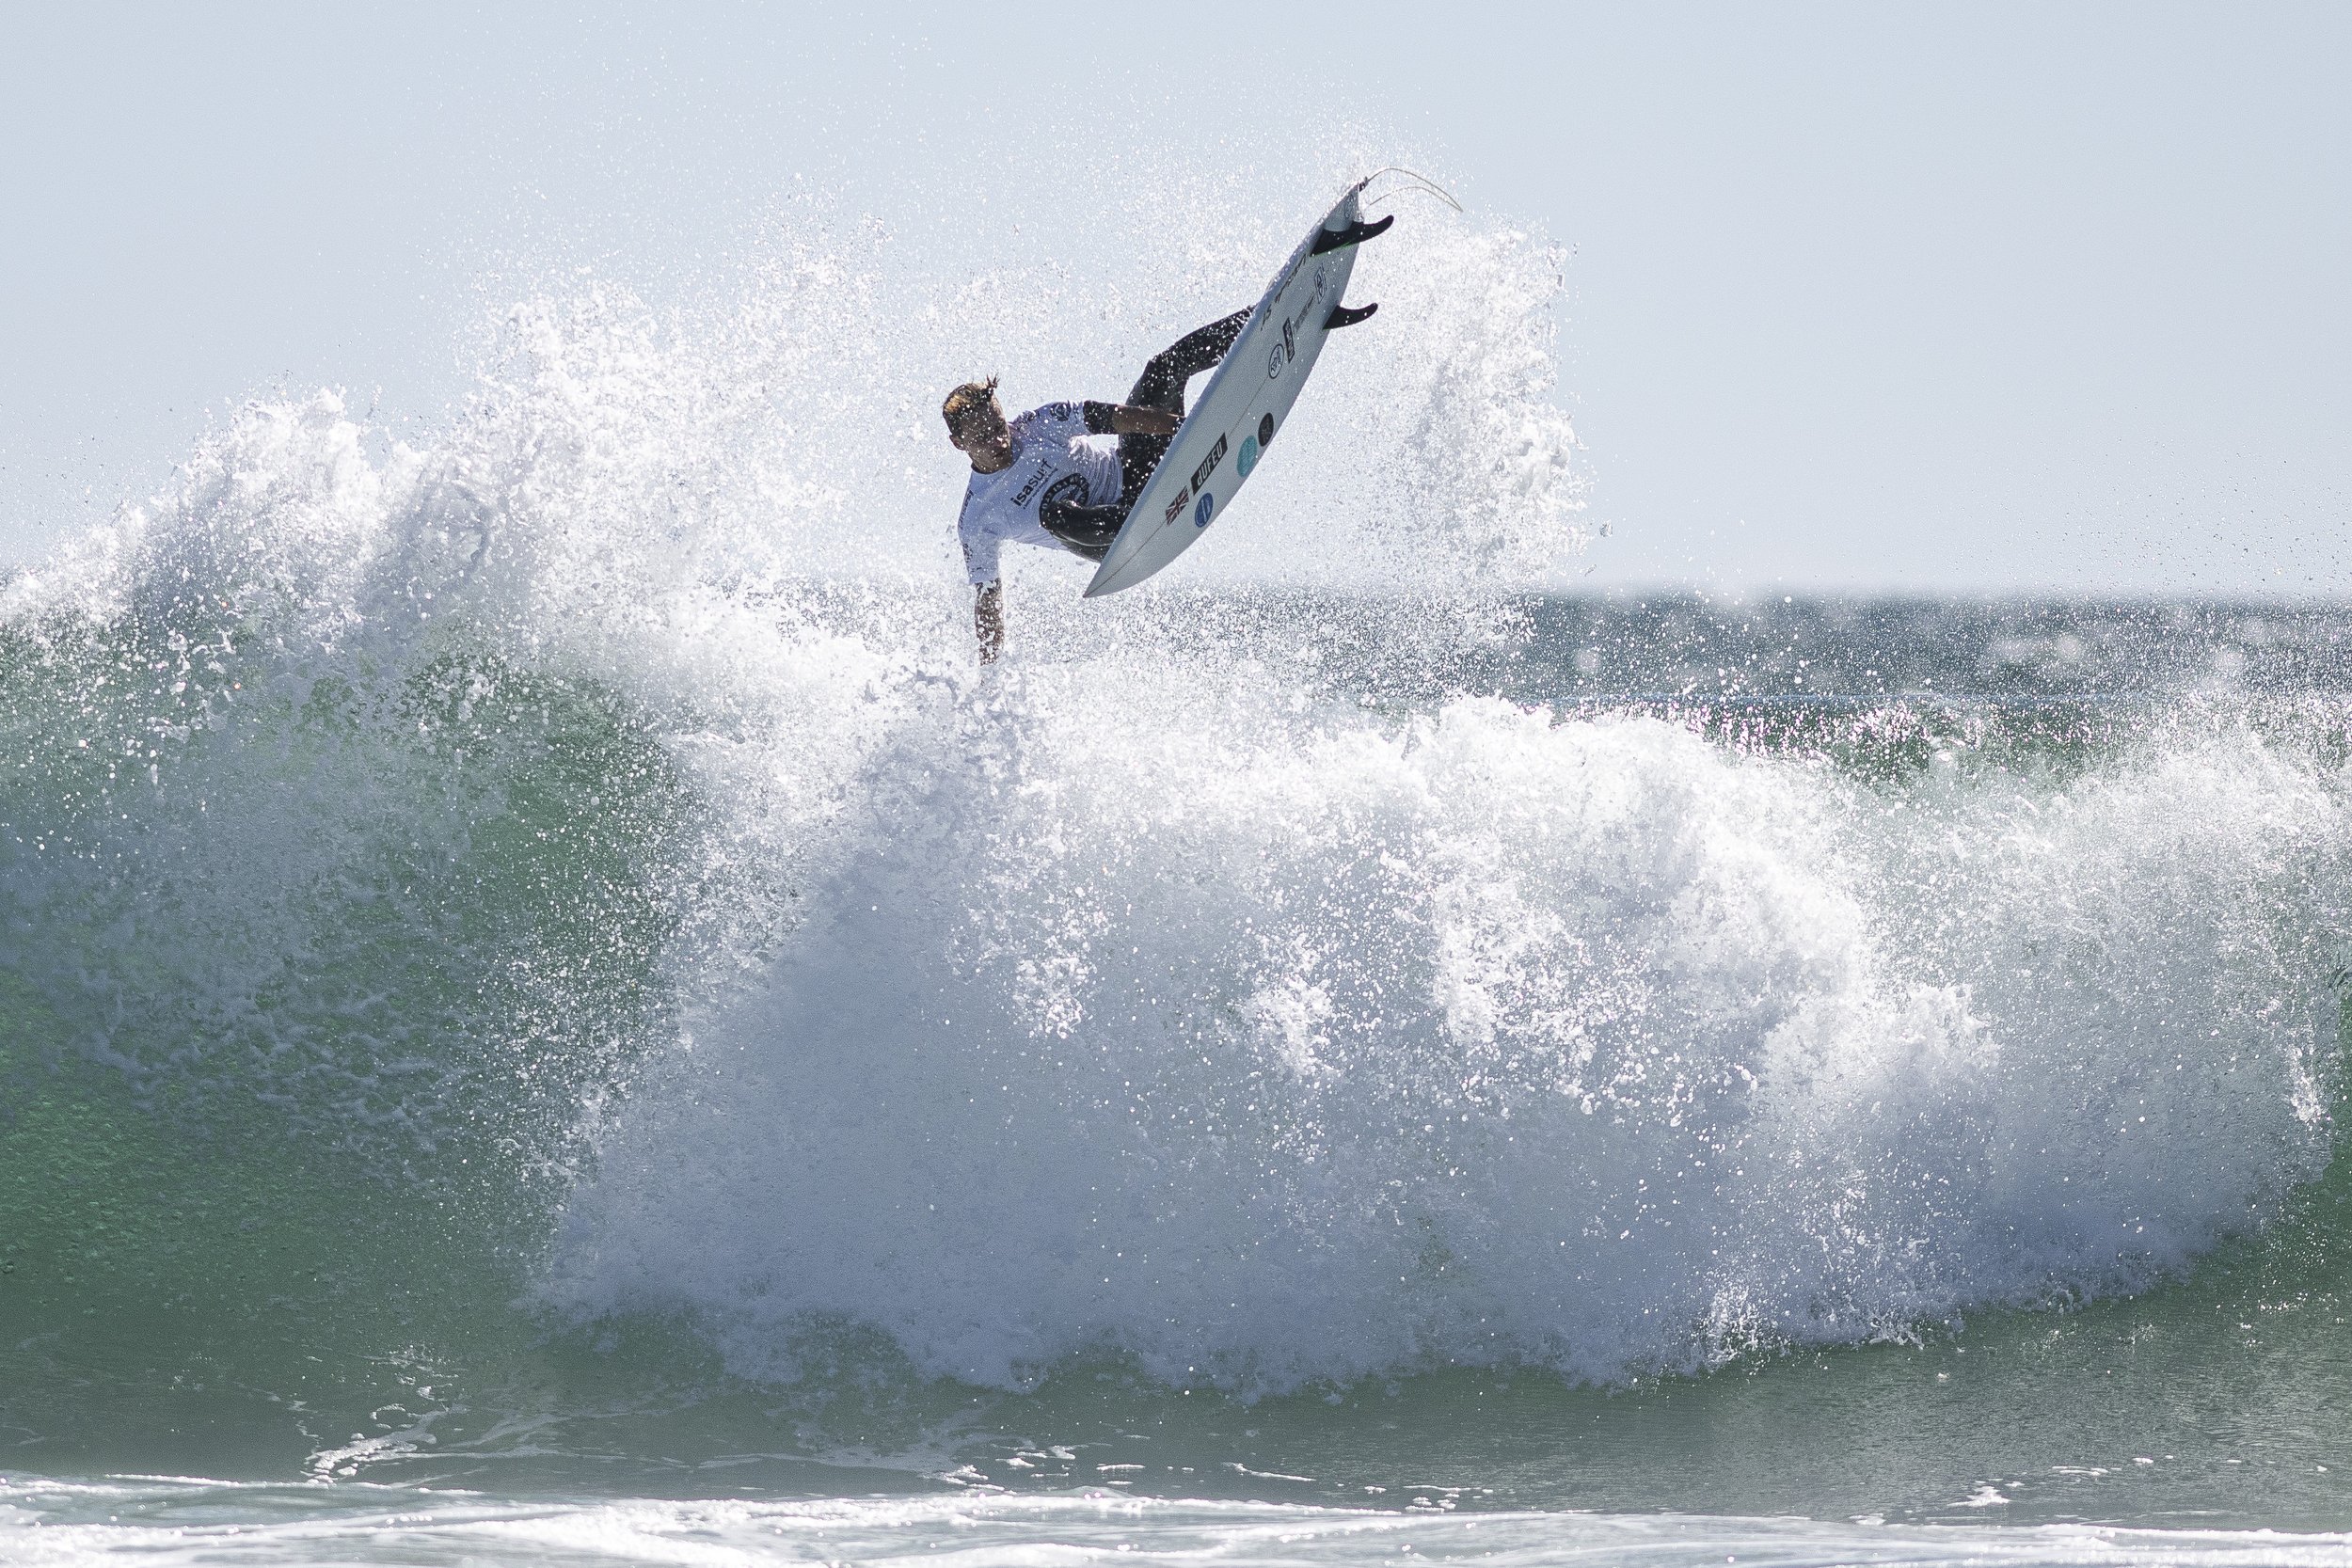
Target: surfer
{"x": 1036, "y": 479}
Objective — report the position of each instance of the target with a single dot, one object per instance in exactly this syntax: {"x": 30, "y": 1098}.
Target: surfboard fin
{"x": 1328, "y": 240}
{"x": 1342, "y": 316}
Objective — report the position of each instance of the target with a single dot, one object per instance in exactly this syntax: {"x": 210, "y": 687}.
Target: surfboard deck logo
{"x": 1241, "y": 409}
{"x": 1208, "y": 464}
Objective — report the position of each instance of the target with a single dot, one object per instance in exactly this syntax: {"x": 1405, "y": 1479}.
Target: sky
{"x": 1915, "y": 299}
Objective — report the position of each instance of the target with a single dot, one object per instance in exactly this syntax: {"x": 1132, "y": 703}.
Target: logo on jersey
{"x": 1247, "y": 458}
{"x": 1208, "y": 465}
{"x": 1178, "y": 504}
{"x": 1044, "y": 470}
{"x": 1069, "y": 490}
{"x": 1201, "y": 513}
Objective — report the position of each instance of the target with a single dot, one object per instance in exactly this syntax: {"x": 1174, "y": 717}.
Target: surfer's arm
{"x": 980, "y": 550}
{"x": 988, "y": 619}
{"x": 1120, "y": 419}
{"x": 1143, "y": 421}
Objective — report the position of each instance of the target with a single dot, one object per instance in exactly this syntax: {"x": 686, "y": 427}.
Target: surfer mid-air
{"x": 1038, "y": 481}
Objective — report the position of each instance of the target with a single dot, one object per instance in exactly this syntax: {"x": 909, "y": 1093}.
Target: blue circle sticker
{"x": 1201, "y": 513}
{"x": 1249, "y": 458}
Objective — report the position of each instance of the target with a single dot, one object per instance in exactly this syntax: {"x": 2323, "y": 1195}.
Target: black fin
{"x": 1341, "y": 316}
{"x": 1328, "y": 240}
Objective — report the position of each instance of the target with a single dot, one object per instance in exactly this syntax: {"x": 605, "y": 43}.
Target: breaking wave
{"x": 578, "y": 857}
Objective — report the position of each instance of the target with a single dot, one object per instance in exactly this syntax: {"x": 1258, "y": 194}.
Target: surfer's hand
{"x": 1127, "y": 421}
{"x": 988, "y": 619}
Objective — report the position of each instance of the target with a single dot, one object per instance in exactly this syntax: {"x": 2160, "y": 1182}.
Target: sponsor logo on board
{"x": 1247, "y": 458}
{"x": 1208, "y": 464}
{"x": 1315, "y": 298}
{"x": 1274, "y": 360}
{"x": 1178, "y": 504}
{"x": 1290, "y": 340}
{"x": 1265, "y": 430}
{"x": 1200, "y": 514}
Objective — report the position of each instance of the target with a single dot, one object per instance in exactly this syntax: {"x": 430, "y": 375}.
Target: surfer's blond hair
{"x": 966, "y": 401}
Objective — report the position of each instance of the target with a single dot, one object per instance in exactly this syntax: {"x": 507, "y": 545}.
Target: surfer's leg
{"x": 1137, "y": 456}
{"x": 1162, "y": 383}
{"x": 1162, "y": 387}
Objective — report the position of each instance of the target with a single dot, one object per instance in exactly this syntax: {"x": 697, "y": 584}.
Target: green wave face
{"x": 308, "y": 975}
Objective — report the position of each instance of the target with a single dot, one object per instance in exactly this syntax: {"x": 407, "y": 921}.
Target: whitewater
{"x": 552, "y": 1010}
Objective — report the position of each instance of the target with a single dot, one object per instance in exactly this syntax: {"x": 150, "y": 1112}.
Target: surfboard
{"x": 1226, "y": 435}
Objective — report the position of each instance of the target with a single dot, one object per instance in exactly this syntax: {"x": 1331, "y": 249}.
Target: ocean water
{"x": 550, "y": 1011}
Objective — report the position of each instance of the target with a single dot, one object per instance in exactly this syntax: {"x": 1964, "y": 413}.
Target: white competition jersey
{"x": 1051, "y": 460}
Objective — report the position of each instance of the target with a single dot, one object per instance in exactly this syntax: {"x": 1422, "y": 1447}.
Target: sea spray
{"x": 375, "y": 815}
{"x": 540, "y": 942}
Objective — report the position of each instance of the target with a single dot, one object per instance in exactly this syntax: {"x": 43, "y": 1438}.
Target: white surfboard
{"x": 1248, "y": 397}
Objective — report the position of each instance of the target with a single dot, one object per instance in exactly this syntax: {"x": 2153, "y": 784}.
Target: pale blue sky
{"x": 1887, "y": 297}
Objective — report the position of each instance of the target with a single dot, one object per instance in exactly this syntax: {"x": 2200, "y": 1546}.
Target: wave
{"x": 574, "y": 863}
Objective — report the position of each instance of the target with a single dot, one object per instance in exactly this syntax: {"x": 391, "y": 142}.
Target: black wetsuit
{"x": 1087, "y": 531}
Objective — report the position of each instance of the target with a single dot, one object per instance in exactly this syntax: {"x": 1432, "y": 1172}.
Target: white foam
{"x": 168, "y": 1523}
{"x": 1157, "y": 1017}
